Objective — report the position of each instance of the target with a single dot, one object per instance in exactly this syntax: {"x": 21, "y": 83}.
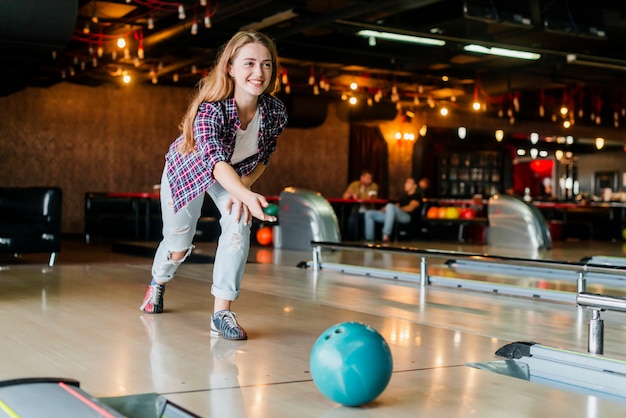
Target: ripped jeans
{"x": 179, "y": 230}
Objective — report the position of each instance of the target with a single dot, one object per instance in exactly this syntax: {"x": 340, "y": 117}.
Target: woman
{"x": 228, "y": 134}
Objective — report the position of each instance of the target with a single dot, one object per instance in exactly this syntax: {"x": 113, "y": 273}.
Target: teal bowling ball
{"x": 271, "y": 209}
{"x": 351, "y": 363}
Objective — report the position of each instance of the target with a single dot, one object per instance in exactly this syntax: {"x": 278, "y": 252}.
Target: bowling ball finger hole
{"x": 337, "y": 331}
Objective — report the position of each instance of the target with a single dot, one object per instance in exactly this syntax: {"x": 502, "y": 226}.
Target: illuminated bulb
{"x": 398, "y": 135}
{"x": 121, "y": 43}
{"x": 534, "y": 137}
{"x": 563, "y": 110}
{"x": 207, "y": 21}
{"x": 181, "y": 12}
{"x": 100, "y": 51}
{"x": 580, "y": 113}
{"x": 284, "y": 78}
{"x": 569, "y": 140}
{"x": 534, "y": 152}
{"x": 462, "y": 132}
{"x": 316, "y": 90}
{"x": 312, "y": 80}
{"x": 558, "y": 154}
{"x": 194, "y": 28}
{"x": 86, "y": 29}
{"x": 126, "y": 78}
{"x": 202, "y": 2}
{"x": 599, "y": 143}
{"x": 598, "y": 120}
{"x": 194, "y": 69}
{"x": 521, "y": 152}
{"x": 372, "y": 41}
{"x": 569, "y": 154}
{"x": 516, "y": 104}
{"x": 423, "y": 130}
{"x": 140, "y": 53}
{"x": 543, "y": 153}
{"x": 126, "y": 53}
{"x": 370, "y": 102}
{"x": 54, "y": 55}
{"x": 566, "y": 124}
{"x": 94, "y": 62}
{"x": 542, "y": 111}
{"x": 476, "y": 105}
{"x": 175, "y": 78}
{"x": 499, "y": 135}
{"x": 150, "y": 23}
{"x": 443, "y": 111}
{"x": 155, "y": 79}
{"x": 354, "y": 86}
{"x": 416, "y": 100}
{"x": 288, "y": 88}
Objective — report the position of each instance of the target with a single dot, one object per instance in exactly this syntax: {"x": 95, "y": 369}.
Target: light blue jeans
{"x": 388, "y": 218}
{"x": 179, "y": 230}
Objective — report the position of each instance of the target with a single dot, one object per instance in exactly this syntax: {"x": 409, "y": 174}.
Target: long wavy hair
{"x": 218, "y": 85}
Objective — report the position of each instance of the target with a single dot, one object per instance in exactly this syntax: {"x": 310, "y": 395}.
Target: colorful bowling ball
{"x": 432, "y": 213}
{"x": 265, "y": 235}
{"x": 442, "y": 211}
{"x": 452, "y": 212}
{"x": 351, "y": 363}
{"x": 468, "y": 213}
{"x": 271, "y": 209}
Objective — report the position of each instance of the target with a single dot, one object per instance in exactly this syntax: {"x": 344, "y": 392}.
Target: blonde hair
{"x": 218, "y": 85}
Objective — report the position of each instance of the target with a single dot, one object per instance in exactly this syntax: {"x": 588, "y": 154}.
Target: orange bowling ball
{"x": 432, "y": 212}
{"x": 265, "y": 235}
{"x": 442, "y": 211}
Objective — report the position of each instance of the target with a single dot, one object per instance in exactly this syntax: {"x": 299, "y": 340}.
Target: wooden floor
{"x": 80, "y": 320}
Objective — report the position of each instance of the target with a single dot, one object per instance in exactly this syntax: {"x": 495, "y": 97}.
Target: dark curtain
{"x": 368, "y": 150}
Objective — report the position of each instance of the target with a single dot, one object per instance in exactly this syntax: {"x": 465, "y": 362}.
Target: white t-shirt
{"x": 247, "y": 140}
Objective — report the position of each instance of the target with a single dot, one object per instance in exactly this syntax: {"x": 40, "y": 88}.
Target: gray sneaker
{"x": 224, "y": 324}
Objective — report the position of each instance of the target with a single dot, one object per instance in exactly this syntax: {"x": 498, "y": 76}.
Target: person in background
{"x": 362, "y": 189}
{"x": 229, "y": 132}
{"x": 401, "y": 212}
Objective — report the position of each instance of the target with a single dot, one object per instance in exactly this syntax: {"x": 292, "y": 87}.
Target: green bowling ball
{"x": 271, "y": 209}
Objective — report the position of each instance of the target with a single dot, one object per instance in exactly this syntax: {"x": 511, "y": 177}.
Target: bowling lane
{"x": 449, "y": 392}
{"x": 83, "y": 322}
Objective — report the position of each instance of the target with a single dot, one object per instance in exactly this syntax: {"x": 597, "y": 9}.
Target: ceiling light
{"x": 462, "y": 132}
{"x": 558, "y": 154}
{"x": 534, "y": 137}
{"x": 401, "y": 38}
{"x": 499, "y": 135}
{"x": 503, "y": 52}
{"x": 599, "y": 143}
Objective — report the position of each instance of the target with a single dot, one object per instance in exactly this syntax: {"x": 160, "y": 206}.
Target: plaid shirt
{"x": 214, "y": 132}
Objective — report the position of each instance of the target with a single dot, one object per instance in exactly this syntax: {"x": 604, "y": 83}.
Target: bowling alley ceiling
{"x": 447, "y": 50}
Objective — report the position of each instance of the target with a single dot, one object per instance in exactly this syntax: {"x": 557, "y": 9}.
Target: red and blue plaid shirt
{"x": 214, "y": 132}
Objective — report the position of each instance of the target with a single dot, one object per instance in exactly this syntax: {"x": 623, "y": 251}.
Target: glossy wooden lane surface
{"x": 82, "y": 321}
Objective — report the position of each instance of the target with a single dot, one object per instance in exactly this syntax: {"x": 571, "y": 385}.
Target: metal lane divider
{"x": 598, "y": 303}
{"x": 578, "y": 271}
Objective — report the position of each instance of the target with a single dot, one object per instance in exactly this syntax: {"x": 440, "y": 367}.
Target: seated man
{"x": 400, "y": 212}
{"x": 362, "y": 189}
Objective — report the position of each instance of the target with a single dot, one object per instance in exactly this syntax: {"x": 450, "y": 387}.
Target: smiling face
{"x": 251, "y": 70}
